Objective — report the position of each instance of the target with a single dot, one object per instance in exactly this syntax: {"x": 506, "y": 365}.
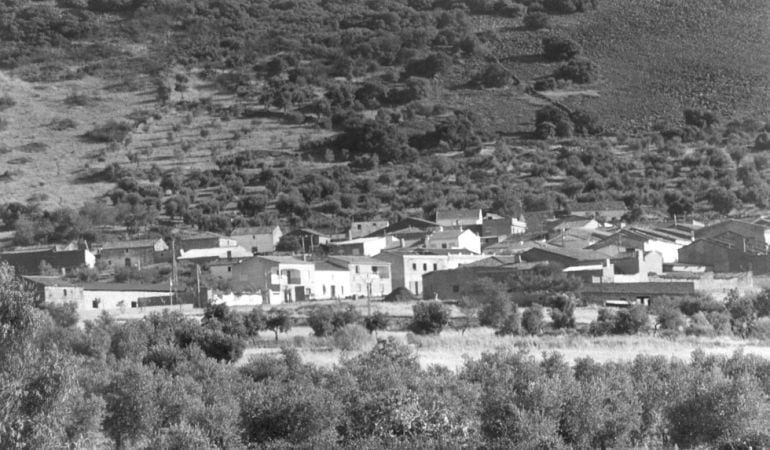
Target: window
{"x": 65, "y": 292}
{"x": 443, "y": 246}
{"x": 95, "y": 304}
{"x": 323, "y": 289}
{"x": 424, "y": 267}
{"x": 374, "y": 269}
{"x": 455, "y": 288}
{"x": 414, "y": 266}
{"x": 359, "y": 226}
{"x": 134, "y": 304}
{"x": 435, "y": 266}
{"x": 358, "y": 270}
{"x": 229, "y": 268}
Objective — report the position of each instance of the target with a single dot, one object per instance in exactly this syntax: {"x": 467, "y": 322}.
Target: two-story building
{"x": 28, "y": 260}
{"x": 364, "y": 246}
{"x": 368, "y": 276}
{"x": 454, "y": 239}
{"x": 257, "y": 240}
{"x": 409, "y": 265}
{"x": 360, "y": 229}
{"x": 459, "y": 217}
{"x": 282, "y": 278}
{"x": 134, "y": 253}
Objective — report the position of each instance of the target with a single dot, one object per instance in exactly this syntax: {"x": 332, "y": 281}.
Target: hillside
{"x": 314, "y": 113}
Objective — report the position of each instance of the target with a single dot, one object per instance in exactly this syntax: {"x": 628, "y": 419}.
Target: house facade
{"x": 257, "y": 239}
{"x": 136, "y": 253}
{"x": 454, "y": 240}
{"x": 724, "y": 257}
{"x": 365, "y": 228}
{"x": 368, "y": 276}
{"x": 281, "y": 278}
{"x": 365, "y": 246}
{"x": 632, "y": 239}
{"x": 408, "y": 267}
{"x": 504, "y": 226}
{"x": 331, "y": 281}
{"x": 27, "y": 260}
{"x": 204, "y": 255}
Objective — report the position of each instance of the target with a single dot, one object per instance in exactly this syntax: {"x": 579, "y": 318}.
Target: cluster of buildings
{"x": 432, "y": 259}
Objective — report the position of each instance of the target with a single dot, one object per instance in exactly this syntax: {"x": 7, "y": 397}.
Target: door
{"x": 333, "y": 291}
{"x": 299, "y": 293}
{"x": 127, "y": 262}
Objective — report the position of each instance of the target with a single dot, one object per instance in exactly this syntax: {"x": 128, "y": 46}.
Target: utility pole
{"x": 198, "y": 285}
{"x": 173, "y": 269}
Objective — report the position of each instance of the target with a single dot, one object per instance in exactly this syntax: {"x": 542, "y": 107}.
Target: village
{"x": 617, "y": 264}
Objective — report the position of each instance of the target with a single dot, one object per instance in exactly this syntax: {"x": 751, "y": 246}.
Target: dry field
{"x": 452, "y": 348}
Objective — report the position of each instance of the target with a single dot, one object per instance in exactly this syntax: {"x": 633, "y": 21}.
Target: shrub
{"x": 632, "y": 320}
{"x": 700, "y": 118}
{"x": 562, "y": 310}
{"x": 537, "y": 20}
{"x": 492, "y": 76}
{"x": 220, "y": 346}
{"x": 695, "y": 304}
{"x": 533, "y": 319}
{"x": 80, "y": 99}
{"x": 428, "y": 67}
{"x": 325, "y": 320}
{"x": 6, "y": 102}
{"x": 762, "y": 142}
{"x": 377, "y": 321}
{"x": 700, "y": 325}
{"x": 351, "y": 337}
{"x": 510, "y": 325}
{"x": 670, "y": 318}
{"x": 254, "y": 321}
{"x": 578, "y": 70}
{"x": 558, "y": 48}
{"x": 111, "y": 131}
{"x": 545, "y": 84}
{"x": 760, "y": 329}
{"x": 429, "y": 317}
{"x": 278, "y": 321}
{"x": 64, "y": 315}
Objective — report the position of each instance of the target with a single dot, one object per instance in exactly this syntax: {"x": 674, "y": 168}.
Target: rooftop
{"x": 284, "y": 259}
{"x": 457, "y": 214}
{"x": 217, "y": 252}
{"x": 242, "y": 231}
{"x": 98, "y": 286}
{"x": 363, "y": 260}
{"x": 138, "y": 243}
{"x": 328, "y": 266}
{"x": 577, "y": 254}
{"x": 645, "y": 288}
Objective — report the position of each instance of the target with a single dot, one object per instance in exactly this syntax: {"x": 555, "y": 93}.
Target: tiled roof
{"x": 365, "y": 260}
{"x": 49, "y": 281}
{"x": 327, "y": 266}
{"x": 446, "y": 234}
{"x": 577, "y": 254}
{"x": 495, "y": 261}
{"x": 138, "y": 243}
{"x": 243, "y": 231}
{"x": 608, "y": 205}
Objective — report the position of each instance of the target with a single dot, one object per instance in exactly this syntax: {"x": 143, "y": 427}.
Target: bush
{"x": 762, "y": 142}
{"x": 537, "y": 20}
{"x": 428, "y": 67}
{"x": 6, "y": 102}
{"x": 351, "y": 337}
{"x": 377, "y": 321}
{"x": 64, "y": 315}
{"x": 562, "y": 310}
{"x": 510, "y": 325}
{"x": 700, "y": 326}
{"x": 578, "y": 70}
{"x": 220, "y": 346}
{"x": 558, "y": 48}
{"x": 325, "y": 320}
{"x": 111, "y": 131}
{"x": 699, "y": 118}
{"x": 429, "y": 317}
{"x": 671, "y": 318}
{"x": 533, "y": 319}
{"x": 632, "y": 321}
{"x": 493, "y": 76}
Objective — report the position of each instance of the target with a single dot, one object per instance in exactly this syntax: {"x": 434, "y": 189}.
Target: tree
{"x": 562, "y": 310}
{"x": 163, "y": 92}
{"x": 537, "y": 20}
{"x": 492, "y": 76}
{"x": 578, "y": 70}
{"x": 680, "y": 203}
{"x": 558, "y": 48}
{"x": 279, "y": 321}
{"x": 429, "y": 317}
{"x": 181, "y": 83}
{"x": 376, "y": 322}
{"x": 533, "y": 319}
{"x": 722, "y": 200}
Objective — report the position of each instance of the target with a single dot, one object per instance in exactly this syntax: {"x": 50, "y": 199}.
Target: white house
{"x": 453, "y": 240}
{"x": 408, "y": 266}
{"x": 331, "y": 281}
{"x": 284, "y": 278}
{"x": 368, "y": 276}
{"x": 200, "y": 255}
{"x": 365, "y": 246}
{"x": 257, "y": 239}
